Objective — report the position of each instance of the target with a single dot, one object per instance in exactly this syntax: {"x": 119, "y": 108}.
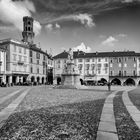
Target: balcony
{"x": 20, "y": 63}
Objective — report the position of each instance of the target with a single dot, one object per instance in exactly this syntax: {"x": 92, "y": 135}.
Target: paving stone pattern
{"x": 5, "y": 113}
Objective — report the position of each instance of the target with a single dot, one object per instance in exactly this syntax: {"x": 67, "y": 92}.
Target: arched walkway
{"x": 129, "y": 82}
{"x": 38, "y": 79}
{"x": 81, "y": 81}
{"x": 32, "y": 79}
{"x": 138, "y": 83}
{"x": 103, "y": 80}
{"x": 116, "y": 81}
{"x": 43, "y": 80}
{"x": 58, "y": 80}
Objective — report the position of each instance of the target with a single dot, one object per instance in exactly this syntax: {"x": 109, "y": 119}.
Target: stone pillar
{"x": 10, "y": 79}
{"x": 17, "y": 79}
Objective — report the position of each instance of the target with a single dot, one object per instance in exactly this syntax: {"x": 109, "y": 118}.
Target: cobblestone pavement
{"x": 106, "y": 129}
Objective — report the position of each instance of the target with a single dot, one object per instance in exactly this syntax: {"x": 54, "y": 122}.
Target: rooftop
{"x": 80, "y": 54}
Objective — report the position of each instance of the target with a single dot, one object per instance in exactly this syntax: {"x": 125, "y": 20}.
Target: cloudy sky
{"x": 90, "y": 25}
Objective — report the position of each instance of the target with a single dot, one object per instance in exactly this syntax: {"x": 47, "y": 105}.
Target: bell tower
{"x": 28, "y": 34}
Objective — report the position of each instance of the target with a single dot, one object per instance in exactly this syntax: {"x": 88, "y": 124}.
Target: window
{"x": 24, "y": 68}
{"x": 25, "y": 59}
{"x": 37, "y": 55}
{"x": 124, "y": 73}
{"x": 43, "y": 71}
{"x": 20, "y": 57}
{"x": 125, "y": 59}
{"x": 120, "y": 73}
{"x": 106, "y": 70}
{"x": 38, "y": 62}
{"x": 134, "y": 73}
{"x": 93, "y": 72}
{"x": 111, "y": 61}
{"x": 92, "y": 66}
{"x": 134, "y": 59}
{"x": 105, "y": 59}
{"x": 14, "y": 57}
{"x": 80, "y": 66}
{"x": 58, "y": 61}
{"x": 119, "y": 59}
{"x": 20, "y": 49}
{"x": 87, "y": 66}
{"x": 87, "y": 60}
{"x": 38, "y": 70}
{"x": 139, "y": 59}
{"x": 99, "y": 71}
{"x": 31, "y": 70}
{"x": 15, "y": 48}
{"x": 44, "y": 57}
{"x": 80, "y": 60}
{"x": 99, "y": 59}
{"x": 65, "y": 60}
{"x": 24, "y": 50}
{"x": 139, "y": 65}
{"x": 111, "y": 73}
{"x": 31, "y": 60}
{"x": 99, "y": 65}
{"x": 58, "y": 66}
{"x": 31, "y": 53}
{"x": 105, "y": 65}
{"x": 93, "y": 60}
{"x": 87, "y": 72}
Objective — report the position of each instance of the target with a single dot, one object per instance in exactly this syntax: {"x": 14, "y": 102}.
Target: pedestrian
{"x": 109, "y": 86}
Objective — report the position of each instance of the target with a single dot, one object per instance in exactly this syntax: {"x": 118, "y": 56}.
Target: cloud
{"x": 57, "y": 26}
{"x": 122, "y": 35}
{"x": 130, "y": 1}
{"x": 110, "y": 41}
{"x": 51, "y": 27}
{"x": 84, "y": 19}
{"x": 12, "y": 12}
{"x": 82, "y": 47}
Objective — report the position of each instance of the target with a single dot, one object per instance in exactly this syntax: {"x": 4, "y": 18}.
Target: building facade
{"x": 23, "y": 61}
{"x": 2, "y": 66}
{"x": 119, "y": 68}
{"x": 17, "y": 61}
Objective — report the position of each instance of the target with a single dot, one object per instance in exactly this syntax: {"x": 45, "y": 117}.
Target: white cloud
{"x": 110, "y": 41}
{"x": 82, "y": 47}
{"x": 13, "y": 13}
{"x": 85, "y": 19}
{"x": 57, "y": 26}
{"x": 51, "y": 27}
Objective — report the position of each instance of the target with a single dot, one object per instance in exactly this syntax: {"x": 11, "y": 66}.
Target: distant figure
{"x": 109, "y": 86}
{"x": 70, "y": 55}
